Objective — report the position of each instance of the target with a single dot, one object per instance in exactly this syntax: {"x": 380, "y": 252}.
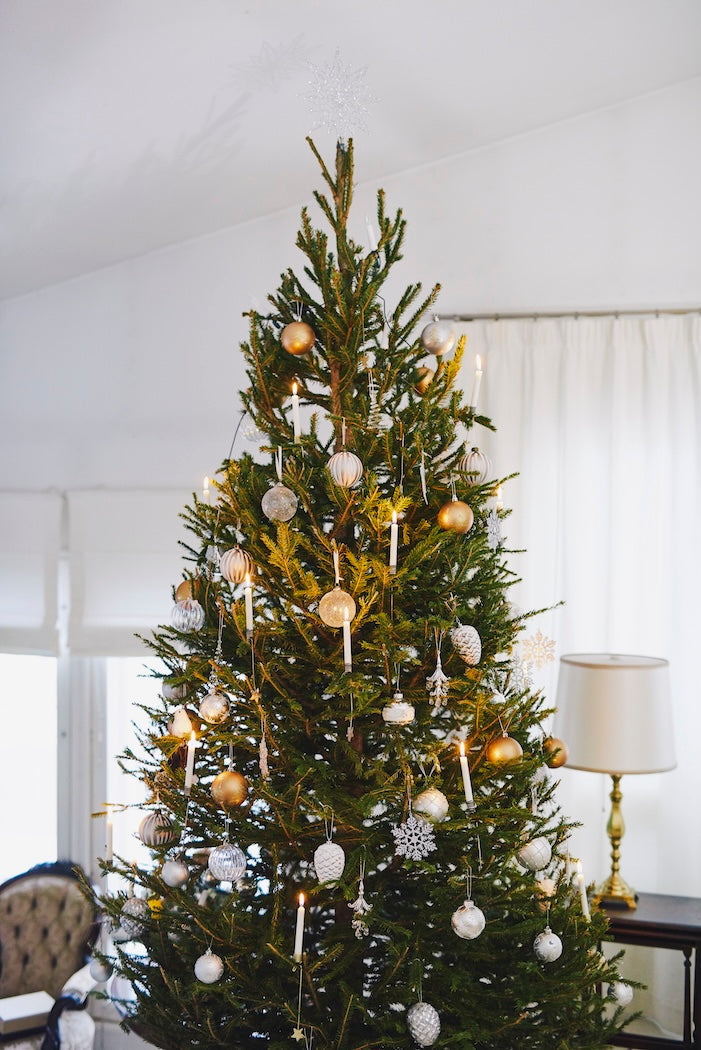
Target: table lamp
{"x": 615, "y": 714}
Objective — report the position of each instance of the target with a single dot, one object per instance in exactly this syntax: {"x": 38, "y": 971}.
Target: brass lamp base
{"x": 614, "y": 892}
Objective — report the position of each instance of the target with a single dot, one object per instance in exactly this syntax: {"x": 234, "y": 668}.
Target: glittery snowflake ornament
{"x": 414, "y": 839}
{"x": 538, "y": 650}
{"x": 338, "y": 97}
{"x": 493, "y": 530}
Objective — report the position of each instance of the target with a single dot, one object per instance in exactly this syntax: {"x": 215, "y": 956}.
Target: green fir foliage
{"x": 289, "y": 686}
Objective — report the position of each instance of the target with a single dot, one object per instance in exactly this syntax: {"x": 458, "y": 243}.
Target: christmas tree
{"x": 355, "y": 835}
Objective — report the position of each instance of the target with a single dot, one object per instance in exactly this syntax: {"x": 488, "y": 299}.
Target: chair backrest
{"x": 46, "y": 924}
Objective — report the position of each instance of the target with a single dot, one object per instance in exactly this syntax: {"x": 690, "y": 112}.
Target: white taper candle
{"x": 108, "y": 836}
{"x": 467, "y": 783}
{"x": 299, "y": 930}
{"x": 583, "y": 891}
{"x": 296, "y": 424}
{"x": 393, "y": 541}
{"x": 347, "y": 655}
{"x": 248, "y": 596}
{"x": 477, "y": 382}
{"x": 190, "y": 765}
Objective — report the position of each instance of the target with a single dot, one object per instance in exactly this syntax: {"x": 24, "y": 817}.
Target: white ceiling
{"x": 128, "y": 125}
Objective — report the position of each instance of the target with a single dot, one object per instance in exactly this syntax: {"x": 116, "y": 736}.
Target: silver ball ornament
{"x": 423, "y": 1023}
{"x": 100, "y": 970}
{"x": 345, "y": 468}
{"x": 535, "y": 854}
{"x": 187, "y": 615}
{"x": 209, "y": 967}
{"x": 227, "y": 862}
{"x": 468, "y": 921}
{"x": 547, "y": 946}
{"x": 135, "y": 912}
{"x": 175, "y": 873}
{"x": 431, "y": 803}
{"x": 214, "y": 707}
{"x": 336, "y": 606}
{"x": 279, "y": 503}
{"x": 173, "y": 692}
{"x": 329, "y": 861}
{"x": 621, "y": 993}
{"x": 438, "y": 337}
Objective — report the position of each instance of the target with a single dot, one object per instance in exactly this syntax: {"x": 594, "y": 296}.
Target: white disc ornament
{"x": 227, "y": 862}
{"x": 399, "y": 712}
{"x": 337, "y": 606}
{"x": 476, "y": 465}
{"x": 156, "y": 830}
{"x": 236, "y": 564}
{"x": 345, "y": 468}
{"x": 175, "y": 873}
{"x": 423, "y": 1023}
{"x": 100, "y": 970}
{"x": 214, "y": 707}
{"x": 209, "y": 967}
{"x": 438, "y": 337}
{"x": 329, "y": 861}
{"x": 135, "y": 912}
{"x": 467, "y": 643}
{"x": 187, "y": 615}
{"x": 431, "y": 803}
{"x": 621, "y": 993}
{"x": 279, "y": 503}
{"x": 547, "y": 946}
{"x": 535, "y": 854}
{"x": 468, "y": 921}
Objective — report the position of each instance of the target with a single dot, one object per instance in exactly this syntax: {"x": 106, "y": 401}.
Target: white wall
{"x": 128, "y": 376}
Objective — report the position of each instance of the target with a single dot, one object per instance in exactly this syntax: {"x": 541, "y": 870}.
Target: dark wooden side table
{"x": 661, "y": 921}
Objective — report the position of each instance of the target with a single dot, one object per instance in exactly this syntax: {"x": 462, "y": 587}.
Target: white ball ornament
{"x": 547, "y": 946}
{"x": 279, "y": 503}
{"x": 535, "y": 854}
{"x": 467, "y": 643}
{"x": 235, "y": 564}
{"x": 621, "y": 993}
{"x": 100, "y": 970}
{"x": 135, "y": 912}
{"x": 187, "y": 615}
{"x": 423, "y": 1023}
{"x": 476, "y": 465}
{"x": 438, "y": 337}
{"x": 209, "y": 967}
{"x": 156, "y": 830}
{"x": 329, "y": 861}
{"x": 399, "y": 712}
{"x": 175, "y": 873}
{"x": 227, "y": 862}
{"x": 431, "y": 803}
{"x": 345, "y": 468}
{"x": 214, "y": 707}
{"x": 468, "y": 921}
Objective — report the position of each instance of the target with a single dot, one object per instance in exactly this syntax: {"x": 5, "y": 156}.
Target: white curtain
{"x": 602, "y": 419}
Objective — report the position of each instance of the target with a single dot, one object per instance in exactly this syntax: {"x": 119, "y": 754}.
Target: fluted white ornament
{"x": 467, "y": 643}
{"x": 423, "y": 1023}
{"x": 345, "y": 468}
{"x": 209, "y": 967}
{"x": 535, "y": 854}
{"x": 431, "y": 803}
{"x": 547, "y": 946}
{"x": 227, "y": 862}
{"x": 476, "y": 465}
{"x": 468, "y": 921}
{"x": 187, "y": 615}
{"x": 329, "y": 861}
{"x": 236, "y": 564}
{"x": 156, "y": 830}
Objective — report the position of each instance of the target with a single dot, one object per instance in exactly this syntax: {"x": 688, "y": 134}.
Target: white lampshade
{"x": 614, "y": 713}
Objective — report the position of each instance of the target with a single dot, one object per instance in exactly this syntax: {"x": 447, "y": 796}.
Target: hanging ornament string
{"x": 328, "y": 824}
{"x": 278, "y": 462}
{"x": 343, "y": 432}
{"x": 336, "y": 564}
{"x": 298, "y": 310}
{"x": 438, "y": 682}
{"x": 468, "y": 882}
{"x": 479, "y": 854}
{"x": 422, "y": 475}
{"x": 351, "y": 730}
{"x": 401, "y": 457}
{"x": 263, "y": 751}
{"x": 453, "y": 493}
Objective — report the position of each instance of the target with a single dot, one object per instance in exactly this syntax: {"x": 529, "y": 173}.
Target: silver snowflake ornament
{"x": 538, "y": 650}
{"x": 493, "y": 530}
{"x": 338, "y": 97}
{"x": 414, "y": 839}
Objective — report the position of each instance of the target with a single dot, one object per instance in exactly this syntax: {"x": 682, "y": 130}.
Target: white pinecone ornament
{"x": 423, "y": 1023}
{"x": 467, "y": 643}
{"x": 547, "y": 946}
{"x": 329, "y": 861}
{"x": 535, "y": 854}
{"x": 468, "y": 921}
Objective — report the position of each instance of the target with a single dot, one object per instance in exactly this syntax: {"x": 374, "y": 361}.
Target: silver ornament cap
{"x": 468, "y": 921}
{"x": 431, "y": 803}
{"x": 547, "y": 946}
{"x": 423, "y": 1023}
{"x": 329, "y": 861}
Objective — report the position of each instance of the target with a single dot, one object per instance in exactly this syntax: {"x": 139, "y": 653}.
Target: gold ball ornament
{"x": 336, "y": 606}
{"x": 187, "y": 589}
{"x": 424, "y": 378}
{"x": 297, "y": 338}
{"x": 229, "y": 789}
{"x": 556, "y": 751}
{"x": 456, "y": 516}
{"x": 235, "y": 564}
{"x": 503, "y": 750}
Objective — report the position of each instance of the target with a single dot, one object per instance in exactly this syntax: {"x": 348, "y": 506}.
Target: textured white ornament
{"x": 100, "y": 970}
{"x": 279, "y": 503}
{"x": 438, "y": 337}
{"x": 156, "y": 830}
{"x": 227, "y": 862}
{"x": 467, "y": 643}
{"x": 209, "y": 967}
{"x": 175, "y": 873}
{"x": 399, "y": 712}
{"x": 337, "y": 606}
{"x": 235, "y": 564}
{"x": 180, "y": 724}
{"x": 329, "y": 861}
{"x": 187, "y": 615}
{"x": 423, "y": 1023}
{"x": 621, "y": 993}
{"x": 468, "y": 921}
{"x": 414, "y": 839}
{"x": 214, "y": 707}
{"x": 361, "y": 908}
{"x": 493, "y": 530}
{"x": 345, "y": 468}
{"x": 476, "y": 466}
{"x": 431, "y": 803}
{"x": 135, "y": 912}
{"x": 547, "y": 946}
{"x": 535, "y": 854}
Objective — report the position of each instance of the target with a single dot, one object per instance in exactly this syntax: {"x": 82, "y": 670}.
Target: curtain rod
{"x": 574, "y": 314}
